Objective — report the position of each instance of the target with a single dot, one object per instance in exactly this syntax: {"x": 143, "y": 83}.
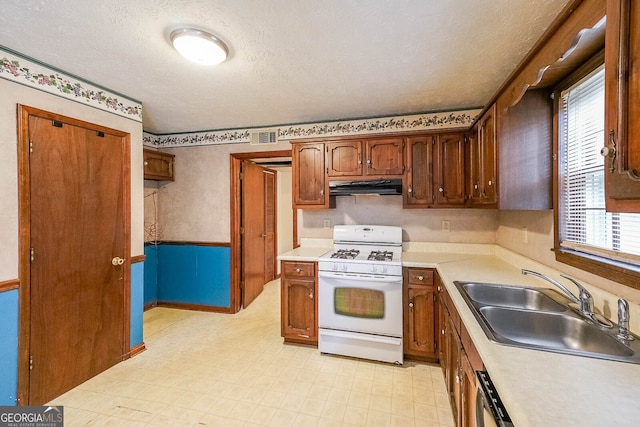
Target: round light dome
{"x": 199, "y": 46}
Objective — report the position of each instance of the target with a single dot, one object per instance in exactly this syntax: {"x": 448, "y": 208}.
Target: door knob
{"x": 117, "y": 261}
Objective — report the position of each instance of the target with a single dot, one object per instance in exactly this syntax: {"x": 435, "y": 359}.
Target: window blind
{"x": 584, "y": 224}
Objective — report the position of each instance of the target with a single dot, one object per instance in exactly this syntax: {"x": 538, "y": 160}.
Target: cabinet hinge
{"x": 241, "y": 230}
{"x": 241, "y": 285}
{"x": 241, "y": 176}
{"x": 56, "y": 123}
{"x": 100, "y": 134}
{"x": 30, "y": 362}
{"x": 30, "y": 146}
{"x": 32, "y": 253}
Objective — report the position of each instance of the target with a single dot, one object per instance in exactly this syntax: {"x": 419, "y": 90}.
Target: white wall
{"x": 419, "y": 225}
{"x": 196, "y": 206}
{"x": 13, "y": 94}
{"x": 540, "y": 230}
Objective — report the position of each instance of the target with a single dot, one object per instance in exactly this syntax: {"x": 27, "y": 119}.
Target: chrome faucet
{"x": 623, "y": 320}
{"x": 553, "y": 282}
{"x": 584, "y": 300}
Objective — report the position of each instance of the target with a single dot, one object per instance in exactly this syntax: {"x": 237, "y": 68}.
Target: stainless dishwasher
{"x": 489, "y": 408}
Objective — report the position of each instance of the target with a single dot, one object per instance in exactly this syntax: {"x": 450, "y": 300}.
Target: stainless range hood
{"x": 381, "y": 187}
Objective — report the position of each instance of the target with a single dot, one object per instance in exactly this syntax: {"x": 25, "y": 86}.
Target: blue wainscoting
{"x": 189, "y": 274}
{"x": 137, "y": 304}
{"x": 150, "y": 275}
{"x": 9, "y": 347}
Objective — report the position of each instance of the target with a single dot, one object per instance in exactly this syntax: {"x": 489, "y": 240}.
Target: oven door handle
{"x": 360, "y": 277}
{"x": 368, "y": 337}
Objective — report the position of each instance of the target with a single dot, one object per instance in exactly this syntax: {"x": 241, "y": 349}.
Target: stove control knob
{"x": 344, "y": 267}
{"x": 385, "y": 270}
{"x": 335, "y": 266}
{"x": 374, "y": 269}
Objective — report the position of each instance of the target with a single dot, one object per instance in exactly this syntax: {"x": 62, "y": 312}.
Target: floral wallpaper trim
{"x": 417, "y": 122}
{"x": 40, "y": 76}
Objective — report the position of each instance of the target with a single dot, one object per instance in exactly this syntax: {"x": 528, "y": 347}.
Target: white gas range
{"x": 360, "y": 293}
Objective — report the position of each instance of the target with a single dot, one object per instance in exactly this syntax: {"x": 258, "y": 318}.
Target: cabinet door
{"x": 420, "y": 319}
{"x": 344, "y": 158}
{"x": 449, "y": 176}
{"x": 384, "y": 156}
{"x": 299, "y": 321}
{"x": 309, "y": 183}
{"x": 455, "y": 378}
{"x": 473, "y": 160}
{"x": 622, "y": 94}
{"x": 418, "y": 180}
{"x": 158, "y": 166}
{"x": 468, "y": 392}
{"x": 487, "y": 150}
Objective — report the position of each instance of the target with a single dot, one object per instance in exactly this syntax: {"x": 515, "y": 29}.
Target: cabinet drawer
{"x": 298, "y": 269}
{"x": 420, "y": 276}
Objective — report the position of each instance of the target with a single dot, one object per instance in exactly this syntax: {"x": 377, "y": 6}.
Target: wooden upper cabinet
{"x": 487, "y": 171}
{"x": 384, "y": 156}
{"x": 357, "y": 158}
{"x": 344, "y": 158}
{"x": 449, "y": 170}
{"x": 482, "y": 163}
{"x": 308, "y": 171}
{"x": 622, "y": 98}
{"x": 418, "y": 178}
{"x": 158, "y": 166}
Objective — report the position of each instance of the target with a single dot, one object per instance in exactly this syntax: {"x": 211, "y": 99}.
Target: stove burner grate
{"x": 345, "y": 254}
{"x": 380, "y": 256}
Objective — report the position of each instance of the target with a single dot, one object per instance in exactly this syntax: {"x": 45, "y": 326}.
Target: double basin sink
{"x": 542, "y": 319}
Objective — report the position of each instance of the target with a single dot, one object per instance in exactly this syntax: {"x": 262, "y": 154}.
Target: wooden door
{"x": 488, "y": 170}
{"x": 79, "y": 255}
{"x": 344, "y": 158}
{"x": 384, "y": 156}
{"x": 309, "y": 183}
{"x": 450, "y": 170}
{"x": 421, "y": 318}
{"x": 270, "y": 219}
{"x": 622, "y": 106}
{"x": 418, "y": 179}
{"x": 253, "y": 232}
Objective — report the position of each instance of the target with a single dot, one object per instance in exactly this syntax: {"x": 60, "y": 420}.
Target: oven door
{"x": 360, "y": 303}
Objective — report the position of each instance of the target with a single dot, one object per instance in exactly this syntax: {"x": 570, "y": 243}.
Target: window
{"x": 584, "y": 227}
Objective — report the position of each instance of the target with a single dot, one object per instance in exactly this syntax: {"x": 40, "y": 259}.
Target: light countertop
{"x": 538, "y": 388}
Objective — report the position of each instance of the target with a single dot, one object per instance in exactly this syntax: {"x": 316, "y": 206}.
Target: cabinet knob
{"x": 298, "y": 270}
{"x": 439, "y": 288}
{"x": 146, "y": 163}
{"x": 117, "y": 261}
{"x": 420, "y": 278}
{"x": 311, "y": 295}
{"x": 441, "y": 190}
{"x": 322, "y": 192}
{"x": 475, "y": 187}
{"x": 411, "y": 305}
{"x": 490, "y": 182}
{"x": 410, "y": 190}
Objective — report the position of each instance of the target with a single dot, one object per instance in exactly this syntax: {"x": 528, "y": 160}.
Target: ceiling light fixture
{"x": 199, "y": 46}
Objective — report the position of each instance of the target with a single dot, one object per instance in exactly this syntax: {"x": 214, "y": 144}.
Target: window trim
{"x": 617, "y": 271}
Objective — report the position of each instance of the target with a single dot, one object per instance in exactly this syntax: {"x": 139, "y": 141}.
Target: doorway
{"x": 74, "y": 225}
{"x": 243, "y": 263}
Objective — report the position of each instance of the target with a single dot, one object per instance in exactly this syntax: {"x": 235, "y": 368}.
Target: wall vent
{"x": 266, "y": 136}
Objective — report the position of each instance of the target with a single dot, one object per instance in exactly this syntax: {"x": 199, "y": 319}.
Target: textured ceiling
{"x": 292, "y": 61}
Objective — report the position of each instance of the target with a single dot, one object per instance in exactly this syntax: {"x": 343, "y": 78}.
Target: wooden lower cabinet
{"x": 419, "y": 313}
{"x": 299, "y": 308}
{"x": 459, "y": 359}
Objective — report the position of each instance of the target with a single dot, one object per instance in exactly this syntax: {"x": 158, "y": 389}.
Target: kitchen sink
{"x": 542, "y": 319}
{"x": 515, "y": 296}
{"x": 556, "y": 331}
